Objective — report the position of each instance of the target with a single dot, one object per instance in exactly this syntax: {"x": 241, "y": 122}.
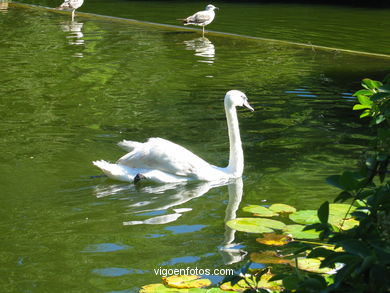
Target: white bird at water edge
{"x": 71, "y": 5}
{"x": 201, "y": 18}
{"x": 159, "y": 160}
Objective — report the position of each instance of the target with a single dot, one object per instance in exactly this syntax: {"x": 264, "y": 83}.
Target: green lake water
{"x": 70, "y": 91}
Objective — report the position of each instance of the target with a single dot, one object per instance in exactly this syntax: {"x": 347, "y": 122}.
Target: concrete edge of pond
{"x": 215, "y": 33}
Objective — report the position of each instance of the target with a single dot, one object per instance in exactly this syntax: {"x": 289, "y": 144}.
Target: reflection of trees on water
{"x": 203, "y": 47}
{"x": 155, "y": 201}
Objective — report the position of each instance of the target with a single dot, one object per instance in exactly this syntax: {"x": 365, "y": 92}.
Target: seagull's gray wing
{"x": 199, "y": 17}
{"x": 65, "y": 5}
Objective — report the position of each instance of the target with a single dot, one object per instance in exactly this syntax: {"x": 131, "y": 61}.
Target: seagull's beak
{"x": 216, "y": 8}
{"x": 246, "y": 104}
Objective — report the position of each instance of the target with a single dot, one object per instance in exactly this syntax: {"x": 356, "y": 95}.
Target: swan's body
{"x": 162, "y": 161}
{"x": 201, "y": 18}
{"x": 71, "y": 5}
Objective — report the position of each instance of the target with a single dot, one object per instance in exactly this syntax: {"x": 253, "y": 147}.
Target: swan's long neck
{"x": 236, "y": 156}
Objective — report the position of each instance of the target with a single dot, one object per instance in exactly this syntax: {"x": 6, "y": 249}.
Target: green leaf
{"x": 364, "y": 100}
{"x": 379, "y": 119}
{"x": 186, "y": 282}
{"x": 263, "y": 282}
{"x": 323, "y": 212}
{"x": 305, "y": 217}
{"x": 297, "y": 232}
{"x": 340, "y": 257}
{"x": 352, "y": 180}
{"x": 160, "y": 288}
{"x": 371, "y": 84}
{"x": 282, "y": 208}
{"x": 360, "y": 107}
{"x": 365, "y": 114}
{"x": 337, "y": 212}
{"x": 291, "y": 282}
{"x": 255, "y": 225}
{"x": 259, "y": 211}
{"x": 343, "y": 196}
{"x": 363, "y": 92}
{"x": 319, "y": 252}
{"x": 356, "y": 247}
{"x": 311, "y": 265}
{"x": 316, "y": 283}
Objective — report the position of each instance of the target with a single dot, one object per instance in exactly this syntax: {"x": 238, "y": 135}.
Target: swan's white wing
{"x": 166, "y": 156}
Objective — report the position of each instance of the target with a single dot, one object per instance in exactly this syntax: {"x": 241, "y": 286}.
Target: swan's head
{"x": 211, "y": 7}
{"x": 236, "y": 98}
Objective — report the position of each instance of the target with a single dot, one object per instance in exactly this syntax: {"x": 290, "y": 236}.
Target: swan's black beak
{"x": 246, "y": 105}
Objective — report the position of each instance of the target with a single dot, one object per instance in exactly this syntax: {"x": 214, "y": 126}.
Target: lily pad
{"x": 305, "y": 217}
{"x": 159, "y": 288}
{"x": 259, "y": 211}
{"x": 311, "y": 265}
{"x": 255, "y": 225}
{"x": 344, "y": 224}
{"x": 282, "y": 208}
{"x": 337, "y": 212}
{"x": 274, "y": 239}
{"x": 297, "y": 232}
{"x": 186, "y": 282}
{"x": 264, "y": 283}
{"x": 268, "y": 257}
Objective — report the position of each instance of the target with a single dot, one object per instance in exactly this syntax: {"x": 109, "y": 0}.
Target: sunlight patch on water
{"x": 116, "y": 272}
{"x": 105, "y": 247}
{"x": 185, "y": 228}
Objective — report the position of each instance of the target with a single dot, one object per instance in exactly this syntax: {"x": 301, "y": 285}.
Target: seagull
{"x": 71, "y": 5}
{"x": 201, "y": 18}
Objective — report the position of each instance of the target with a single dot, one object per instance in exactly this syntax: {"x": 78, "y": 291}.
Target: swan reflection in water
{"x": 3, "y": 6}
{"x": 74, "y": 32}
{"x": 203, "y": 47}
{"x": 156, "y": 200}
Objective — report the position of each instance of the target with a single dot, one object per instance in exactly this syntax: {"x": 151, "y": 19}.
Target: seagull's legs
{"x": 73, "y": 14}
{"x": 203, "y": 31}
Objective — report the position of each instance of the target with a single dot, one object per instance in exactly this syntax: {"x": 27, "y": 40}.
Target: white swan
{"x": 162, "y": 161}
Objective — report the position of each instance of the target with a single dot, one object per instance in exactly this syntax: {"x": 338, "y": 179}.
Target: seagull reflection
{"x": 74, "y": 29}
{"x": 203, "y": 47}
{"x": 3, "y": 6}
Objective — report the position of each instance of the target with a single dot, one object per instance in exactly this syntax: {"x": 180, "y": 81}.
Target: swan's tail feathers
{"x": 116, "y": 171}
{"x": 129, "y": 145}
